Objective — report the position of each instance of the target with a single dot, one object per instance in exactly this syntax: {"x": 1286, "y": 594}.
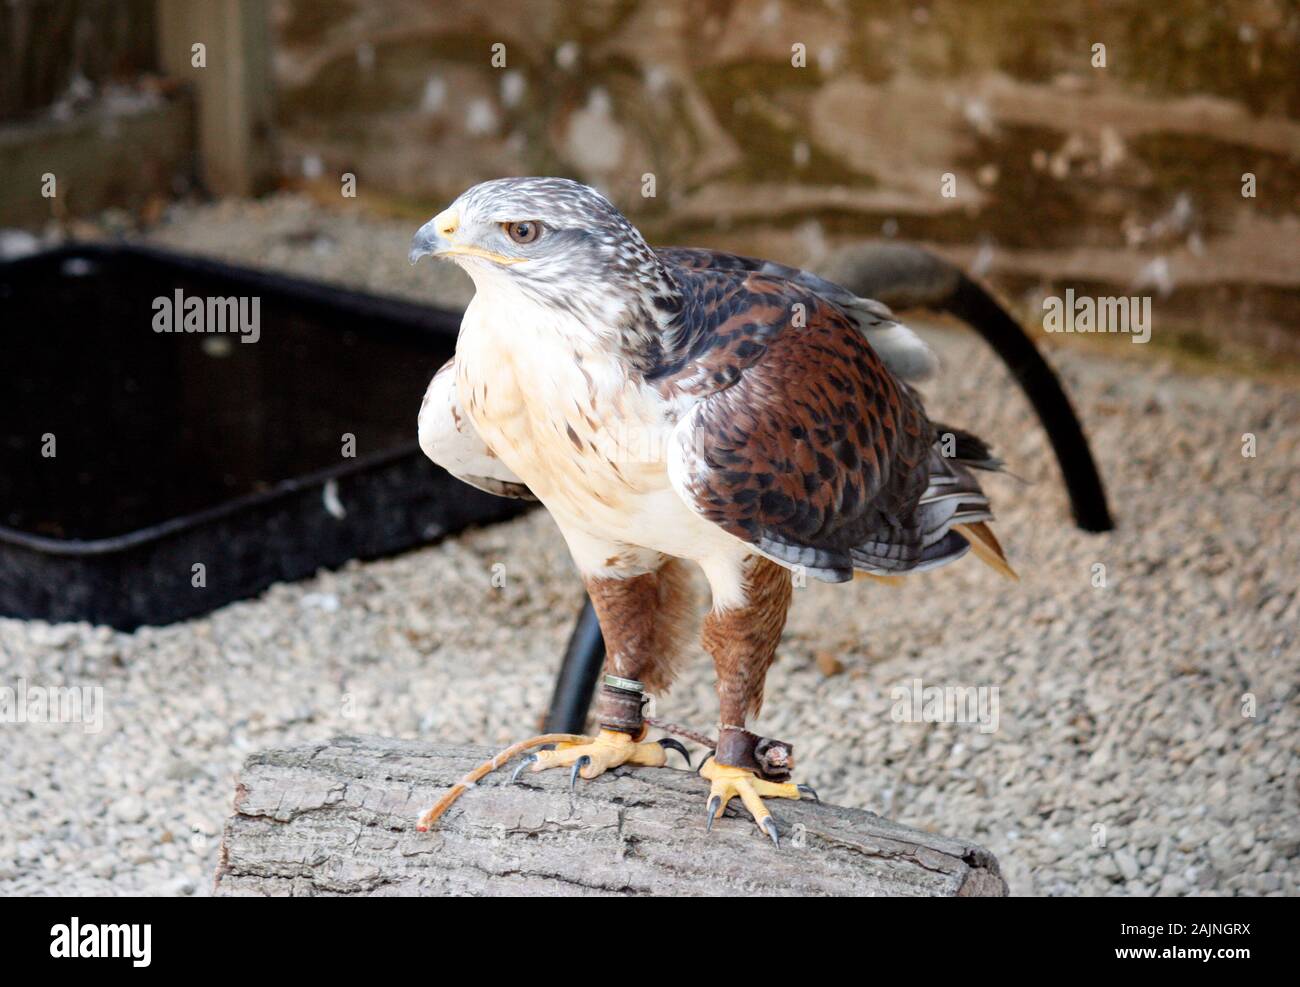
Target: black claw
{"x": 668, "y": 743}
{"x": 808, "y": 790}
{"x": 578, "y": 765}
{"x": 547, "y": 747}
{"x": 769, "y": 827}
{"x": 530, "y": 759}
{"x": 703, "y": 759}
{"x": 714, "y": 804}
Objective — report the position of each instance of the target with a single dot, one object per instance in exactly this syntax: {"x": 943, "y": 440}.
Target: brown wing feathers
{"x": 801, "y": 443}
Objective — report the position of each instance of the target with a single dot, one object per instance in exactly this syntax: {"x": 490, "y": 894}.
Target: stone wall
{"x": 1122, "y": 177}
{"x": 987, "y": 130}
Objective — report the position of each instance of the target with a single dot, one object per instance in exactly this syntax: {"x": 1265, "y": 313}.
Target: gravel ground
{"x": 1146, "y": 729}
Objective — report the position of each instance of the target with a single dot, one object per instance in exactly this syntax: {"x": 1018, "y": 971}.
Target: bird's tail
{"x": 951, "y": 518}
{"x": 986, "y": 547}
{"x": 959, "y": 452}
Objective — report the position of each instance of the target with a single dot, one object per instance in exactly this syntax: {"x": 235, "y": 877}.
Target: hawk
{"x": 682, "y": 406}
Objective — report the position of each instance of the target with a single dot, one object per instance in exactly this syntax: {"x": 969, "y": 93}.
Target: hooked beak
{"x": 435, "y": 239}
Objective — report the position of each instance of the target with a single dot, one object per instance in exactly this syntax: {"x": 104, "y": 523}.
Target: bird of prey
{"x": 682, "y": 406}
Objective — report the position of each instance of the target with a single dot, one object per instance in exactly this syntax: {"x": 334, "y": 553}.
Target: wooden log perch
{"x": 338, "y": 818}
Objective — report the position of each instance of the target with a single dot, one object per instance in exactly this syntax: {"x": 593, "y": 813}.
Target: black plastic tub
{"x": 149, "y": 476}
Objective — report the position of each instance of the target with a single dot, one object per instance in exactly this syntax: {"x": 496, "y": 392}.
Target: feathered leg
{"x": 646, "y": 611}
{"x": 741, "y": 632}
{"x": 645, "y": 608}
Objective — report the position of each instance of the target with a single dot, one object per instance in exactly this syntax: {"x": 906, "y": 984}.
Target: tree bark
{"x": 338, "y": 818}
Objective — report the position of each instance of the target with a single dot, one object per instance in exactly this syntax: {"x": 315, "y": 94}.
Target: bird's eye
{"x": 525, "y": 231}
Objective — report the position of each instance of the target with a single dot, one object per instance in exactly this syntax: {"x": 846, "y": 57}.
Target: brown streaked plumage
{"x": 785, "y": 436}
{"x": 647, "y": 621}
{"x": 742, "y": 639}
{"x": 801, "y": 443}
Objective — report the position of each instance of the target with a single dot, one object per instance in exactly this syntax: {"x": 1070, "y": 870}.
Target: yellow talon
{"x": 590, "y": 756}
{"x": 608, "y": 750}
{"x": 729, "y": 782}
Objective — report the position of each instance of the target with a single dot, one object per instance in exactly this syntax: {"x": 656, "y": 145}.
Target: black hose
{"x": 903, "y": 276}
{"x": 975, "y": 306}
{"x": 576, "y": 683}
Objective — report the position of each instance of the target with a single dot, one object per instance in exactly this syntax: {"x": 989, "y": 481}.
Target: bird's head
{"x": 551, "y": 238}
